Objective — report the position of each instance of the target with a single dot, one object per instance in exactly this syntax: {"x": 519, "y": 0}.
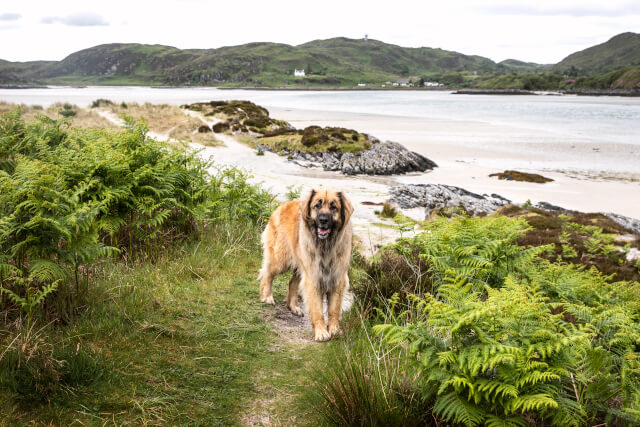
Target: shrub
{"x": 510, "y": 338}
{"x": 293, "y": 192}
{"x": 495, "y": 359}
{"x": 482, "y": 250}
{"x": 67, "y": 111}
{"x": 71, "y": 196}
{"x": 221, "y": 127}
{"x": 101, "y": 102}
{"x": 388, "y": 210}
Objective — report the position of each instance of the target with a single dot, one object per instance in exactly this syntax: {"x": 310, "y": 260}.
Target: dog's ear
{"x": 346, "y": 208}
{"x": 305, "y": 205}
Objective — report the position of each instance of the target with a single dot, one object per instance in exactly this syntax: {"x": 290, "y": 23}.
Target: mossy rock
{"x": 513, "y": 175}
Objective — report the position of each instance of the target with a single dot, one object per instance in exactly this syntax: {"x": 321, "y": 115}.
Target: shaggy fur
{"x": 312, "y": 237}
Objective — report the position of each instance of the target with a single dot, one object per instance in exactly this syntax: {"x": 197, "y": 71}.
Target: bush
{"x": 221, "y": 127}
{"x": 388, "y": 210}
{"x": 69, "y": 197}
{"x": 509, "y": 338}
{"x": 101, "y": 102}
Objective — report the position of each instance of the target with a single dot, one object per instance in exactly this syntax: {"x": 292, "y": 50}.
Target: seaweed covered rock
{"x": 438, "y": 196}
{"x": 513, "y": 175}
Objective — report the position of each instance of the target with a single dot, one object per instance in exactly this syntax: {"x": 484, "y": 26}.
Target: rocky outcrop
{"x": 438, "y": 196}
{"x": 383, "y": 158}
{"x": 628, "y": 223}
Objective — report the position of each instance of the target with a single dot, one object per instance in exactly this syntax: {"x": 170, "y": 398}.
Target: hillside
{"x": 620, "y": 51}
{"x": 338, "y": 61}
{"x": 516, "y": 65}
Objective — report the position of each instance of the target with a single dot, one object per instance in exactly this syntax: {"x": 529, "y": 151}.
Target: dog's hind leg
{"x": 292, "y": 297}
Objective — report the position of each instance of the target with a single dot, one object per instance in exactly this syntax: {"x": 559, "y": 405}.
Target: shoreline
{"x": 631, "y": 93}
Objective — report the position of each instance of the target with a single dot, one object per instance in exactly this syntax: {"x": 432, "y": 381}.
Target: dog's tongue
{"x": 323, "y": 231}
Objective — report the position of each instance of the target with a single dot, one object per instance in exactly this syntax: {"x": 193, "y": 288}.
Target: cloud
{"x": 76, "y": 20}
{"x": 577, "y": 11}
{"x": 10, "y": 16}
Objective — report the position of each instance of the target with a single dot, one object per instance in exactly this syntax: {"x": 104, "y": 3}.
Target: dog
{"x": 313, "y": 237}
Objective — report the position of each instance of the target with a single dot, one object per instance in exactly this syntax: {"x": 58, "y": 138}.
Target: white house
{"x": 298, "y": 73}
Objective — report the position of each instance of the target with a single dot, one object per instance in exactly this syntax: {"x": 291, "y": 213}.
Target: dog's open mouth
{"x": 323, "y": 233}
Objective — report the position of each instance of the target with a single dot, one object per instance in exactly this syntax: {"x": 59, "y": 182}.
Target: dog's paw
{"x": 268, "y": 300}
{"x": 334, "y": 330}
{"x": 322, "y": 335}
{"x": 296, "y": 310}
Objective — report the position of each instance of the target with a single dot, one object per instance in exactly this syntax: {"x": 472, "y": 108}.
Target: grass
{"x": 83, "y": 118}
{"x": 180, "y": 340}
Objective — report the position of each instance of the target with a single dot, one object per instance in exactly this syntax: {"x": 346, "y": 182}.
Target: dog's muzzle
{"x": 324, "y": 226}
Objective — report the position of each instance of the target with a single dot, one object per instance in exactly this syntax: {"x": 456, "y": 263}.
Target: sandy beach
{"x": 588, "y": 176}
{"x": 460, "y": 164}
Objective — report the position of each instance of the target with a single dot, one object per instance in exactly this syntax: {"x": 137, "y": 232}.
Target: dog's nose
{"x": 323, "y": 219}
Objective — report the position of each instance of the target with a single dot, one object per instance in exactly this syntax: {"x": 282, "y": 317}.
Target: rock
{"x": 331, "y": 161}
{"x": 548, "y": 206}
{"x": 629, "y": 223}
{"x": 513, "y": 175}
{"x": 438, "y": 196}
{"x": 384, "y": 158}
{"x": 633, "y": 255}
{"x": 625, "y": 238}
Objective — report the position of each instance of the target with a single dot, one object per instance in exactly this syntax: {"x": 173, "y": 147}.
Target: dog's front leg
{"x": 313, "y": 300}
{"x": 335, "y": 305}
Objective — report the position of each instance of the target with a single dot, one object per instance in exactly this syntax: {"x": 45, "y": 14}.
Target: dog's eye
{"x": 333, "y": 207}
{"x": 318, "y": 204}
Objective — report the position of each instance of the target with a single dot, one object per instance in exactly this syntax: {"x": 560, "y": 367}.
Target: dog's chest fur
{"x": 326, "y": 262}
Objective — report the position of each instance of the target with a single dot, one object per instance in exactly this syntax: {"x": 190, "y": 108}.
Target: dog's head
{"x": 326, "y": 212}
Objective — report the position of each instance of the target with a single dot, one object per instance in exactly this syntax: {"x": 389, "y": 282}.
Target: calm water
{"x": 601, "y": 119}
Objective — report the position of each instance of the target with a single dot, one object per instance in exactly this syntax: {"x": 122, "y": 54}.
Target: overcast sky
{"x": 544, "y": 31}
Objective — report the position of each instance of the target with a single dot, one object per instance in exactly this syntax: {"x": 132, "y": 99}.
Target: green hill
{"x": 521, "y": 66}
{"x": 338, "y": 61}
{"x": 620, "y": 51}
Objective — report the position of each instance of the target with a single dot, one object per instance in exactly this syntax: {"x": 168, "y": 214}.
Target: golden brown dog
{"x": 312, "y": 236}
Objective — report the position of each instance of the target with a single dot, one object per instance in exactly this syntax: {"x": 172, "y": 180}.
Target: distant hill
{"x": 338, "y": 61}
{"x": 521, "y": 66}
{"x": 620, "y": 51}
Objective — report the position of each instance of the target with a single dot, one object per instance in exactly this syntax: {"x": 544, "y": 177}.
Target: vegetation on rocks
{"x": 315, "y": 139}
{"x": 239, "y": 116}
